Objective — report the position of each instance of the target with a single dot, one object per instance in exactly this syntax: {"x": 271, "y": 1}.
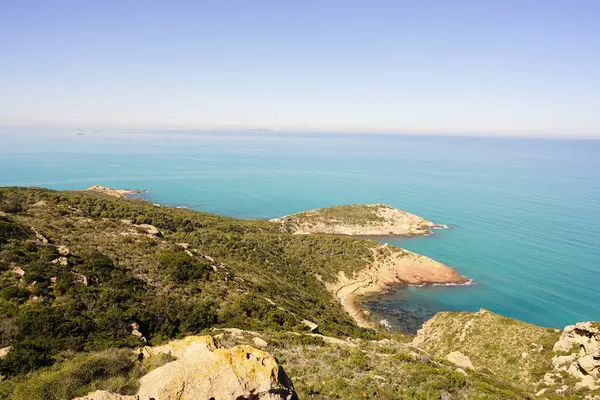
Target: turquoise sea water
{"x": 525, "y": 213}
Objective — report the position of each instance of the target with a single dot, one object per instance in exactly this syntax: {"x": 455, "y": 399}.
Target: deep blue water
{"x": 525, "y": 213}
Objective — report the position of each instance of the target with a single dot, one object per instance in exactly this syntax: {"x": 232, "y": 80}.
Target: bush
{"x": 12, "y": 230}
{"x": 12, "y": 292}
{"x": 113, "y": 370}
{"x": 96, "y": 266}
{"x": 24, "y": 357}
{"x": 182, "y": 268}
{"x": 202, "y": 317}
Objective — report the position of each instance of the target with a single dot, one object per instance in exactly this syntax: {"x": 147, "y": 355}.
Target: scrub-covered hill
{"x": 90, "y": 284}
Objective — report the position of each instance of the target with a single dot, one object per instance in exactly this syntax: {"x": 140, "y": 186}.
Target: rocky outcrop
{"x": 105, "y": 395}
{"x": 149, "y": 230}
{"x": 64, "y": 261}
{"x": 314, "y": 328}
{"x": 578, "y": 353}
{"x": 39, "y": 237}
{"x": 204, "y": 370}
{"x": 357, "y": 220}
{"x": 134, "y": 327}
{"x": 121, "y": 193}
{"x": 459, "y": 359}
{"x": 63, "y": 250}
{"x": 4, "y": 351}
{"x": 391, "y": 267}
{"x": 18, "y": 270}
{"x": 260, "y": 342}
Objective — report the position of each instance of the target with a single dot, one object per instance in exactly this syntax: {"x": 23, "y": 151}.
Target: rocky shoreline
{"x": 392, "y": 267}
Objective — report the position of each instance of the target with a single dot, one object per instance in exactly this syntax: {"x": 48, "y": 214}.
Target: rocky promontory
{"x": 391, "y": 267}
{"x": 121, "y": 193}
{"x": 357, "y": 220}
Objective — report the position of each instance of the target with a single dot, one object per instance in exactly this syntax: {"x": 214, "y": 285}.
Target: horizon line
{"x": 525, "y": 134}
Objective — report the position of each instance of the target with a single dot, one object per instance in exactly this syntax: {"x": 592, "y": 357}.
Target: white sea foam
{"x": 441, "y": 227}
{"x": 386, "y": 324}
{"x": 467, "y": 283}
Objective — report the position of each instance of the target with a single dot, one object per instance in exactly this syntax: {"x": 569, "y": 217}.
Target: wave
{"x": 467, "y": 283}
{"x": 386, "y": 324}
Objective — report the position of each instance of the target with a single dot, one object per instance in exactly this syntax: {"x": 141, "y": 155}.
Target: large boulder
{"x": 204, "y": 370}
{"x": 459, "y": 359}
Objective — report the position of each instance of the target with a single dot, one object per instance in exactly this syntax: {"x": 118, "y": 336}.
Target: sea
{"x": 523, "y": 214}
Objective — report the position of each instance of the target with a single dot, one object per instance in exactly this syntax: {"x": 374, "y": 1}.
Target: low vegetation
{"x": 383, "y": 369}
{"x": 516, "y": 350}
{"x": 353, "y": 214}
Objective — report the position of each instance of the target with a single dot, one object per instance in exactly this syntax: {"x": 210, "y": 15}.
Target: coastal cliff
{"x": 391, "y": 267}
{"x": 357, "y": 220}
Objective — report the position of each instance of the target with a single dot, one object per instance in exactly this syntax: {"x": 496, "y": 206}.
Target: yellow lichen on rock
{"x": 204, "y": 370}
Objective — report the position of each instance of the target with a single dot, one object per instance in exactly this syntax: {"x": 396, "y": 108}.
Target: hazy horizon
{"x": 66, "y": 131}
{"x": 466, "y": 68}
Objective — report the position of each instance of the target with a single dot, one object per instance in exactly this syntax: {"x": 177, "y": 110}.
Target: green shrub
{"x": 113, "y": 370}
{"x": 25, "y": 356}
{"x": 203, "y": 316}
{"x": 12, "y": 230}
{"x": 183, "y": 268}
{"x": 13, "y": 292}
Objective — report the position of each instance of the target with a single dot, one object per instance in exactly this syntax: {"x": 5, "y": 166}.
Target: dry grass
{"x": 385, "y": 369}
{"x": 519, "y": 351}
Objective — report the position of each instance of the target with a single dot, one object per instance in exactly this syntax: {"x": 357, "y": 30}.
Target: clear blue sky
{"x": 528, "y": 67}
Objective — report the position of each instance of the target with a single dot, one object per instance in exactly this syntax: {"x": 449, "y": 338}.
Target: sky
{"x": 480, "y": 67}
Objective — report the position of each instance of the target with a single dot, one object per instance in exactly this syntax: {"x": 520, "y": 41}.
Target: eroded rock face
{"x": 391, "y": 267}
{"x": 204, "y": 370}
{"x": 579, "y": 353}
